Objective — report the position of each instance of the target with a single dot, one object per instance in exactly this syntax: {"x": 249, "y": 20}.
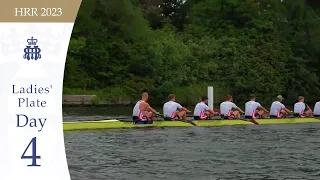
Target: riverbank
{"x": 123, "y": 97}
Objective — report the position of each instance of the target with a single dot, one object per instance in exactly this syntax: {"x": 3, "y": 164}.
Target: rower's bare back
{"x": 144, "y": 106}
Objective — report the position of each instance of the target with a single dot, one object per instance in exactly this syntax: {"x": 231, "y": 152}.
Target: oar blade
{"x": 191, "y": 122}
{"x": 254, "y": 121}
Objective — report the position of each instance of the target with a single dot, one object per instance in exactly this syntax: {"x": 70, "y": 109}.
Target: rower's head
{"x": 144, "y": 96}
{"x": 252, "y": 97}
{"x": 172, "y": 97}
{"x": 301, "y": 99}
{"x": 228, "y": 98}
{"x": 204, "y": 99}
{"x": 280, "y": 98}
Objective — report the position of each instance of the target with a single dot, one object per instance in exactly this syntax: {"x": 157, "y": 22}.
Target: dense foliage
{"x": 265, "y": 47}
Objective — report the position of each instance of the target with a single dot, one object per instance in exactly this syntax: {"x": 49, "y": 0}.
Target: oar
{"x": 252, "y": 120}
{"x": 188, "y": 121}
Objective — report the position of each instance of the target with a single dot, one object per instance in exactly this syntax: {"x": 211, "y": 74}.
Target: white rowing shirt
{"x": 136, "y": 109}
{"x": 276, "y": 107}
{"x": 200, "y": 108}
{"x": 251, "y": 107}
{"x": 316, "y": 110}
{"x": 226, "y": 107}
{"x": 170, "y": 108}
{"x": 299, "y": 107}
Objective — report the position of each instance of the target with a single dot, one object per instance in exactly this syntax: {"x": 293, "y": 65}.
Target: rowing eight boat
{"x": 113, "y": 124}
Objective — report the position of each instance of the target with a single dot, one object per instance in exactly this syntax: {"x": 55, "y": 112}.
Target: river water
{"x": 197, "y": 153}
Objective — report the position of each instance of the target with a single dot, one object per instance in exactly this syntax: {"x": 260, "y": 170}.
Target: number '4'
{"x": 34, "y": 156}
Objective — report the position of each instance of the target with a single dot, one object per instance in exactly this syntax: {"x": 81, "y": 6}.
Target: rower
{"x": 251, "y": 107}
{"x": 173, "y": 110}
{"x": 229, "y": 110}
{"x": 202, "y": 110}
{"x": 142, "y": 112}
{"x": 316, "y": 110}
{"x": 278, "y": 110}
{"x": 301, "y": 109}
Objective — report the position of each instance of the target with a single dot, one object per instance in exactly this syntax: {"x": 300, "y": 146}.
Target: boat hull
{"x": 117, "y": 124}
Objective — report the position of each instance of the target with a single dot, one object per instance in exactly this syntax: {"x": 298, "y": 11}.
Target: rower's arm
{"x": 150, "y": 108}
{"x": 211, "y": 111}
{"x": 153, "y": 111}
{"x": 287, "y": 110}
{"x": 239, "y": 109}
{"x": 308, "y": 107}
{"x": 185, "y": 109}
{"x": 264, "y": 109}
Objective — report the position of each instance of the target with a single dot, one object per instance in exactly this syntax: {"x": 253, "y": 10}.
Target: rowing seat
{"x": 231, "y": 117}
{"x": 143, "y": 122}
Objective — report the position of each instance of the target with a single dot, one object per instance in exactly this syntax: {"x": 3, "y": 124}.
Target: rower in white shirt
{"x": 229, "y": 110}
{"x": 202, "y": 110}
{"x": 301, "y": 109}
{"x": 278, "y": 110}
{"x": 173, "y": 110}
{"x": 142, "y": 112}
{"x": 316, "y": 110}
{"x": 251, "y": 107}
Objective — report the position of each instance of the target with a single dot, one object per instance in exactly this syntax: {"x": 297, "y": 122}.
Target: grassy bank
{"x": 121, "y": 96}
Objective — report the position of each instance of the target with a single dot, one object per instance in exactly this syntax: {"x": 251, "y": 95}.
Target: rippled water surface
{"x": 196, "y": 153}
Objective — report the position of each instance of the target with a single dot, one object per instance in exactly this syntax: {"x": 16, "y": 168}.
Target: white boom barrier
{"x": 210, "y": 97}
